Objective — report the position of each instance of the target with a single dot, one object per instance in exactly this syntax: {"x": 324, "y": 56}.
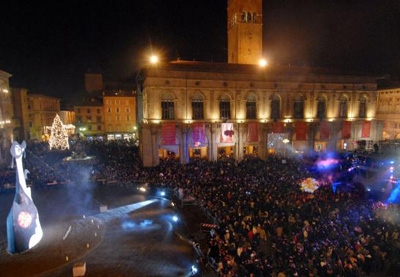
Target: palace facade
{"x": 212, "y": 110}
{"x": 208, "y": 110}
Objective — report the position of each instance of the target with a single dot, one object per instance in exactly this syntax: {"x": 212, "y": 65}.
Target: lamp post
{"x": 153, "y": 59}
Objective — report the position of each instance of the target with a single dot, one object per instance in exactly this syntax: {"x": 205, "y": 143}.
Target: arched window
{"x": 197, "y": 106}
{"x": 225, "y": 107}
{"x": 251, "y": 103}
{"x": 249, "y": 17}
{"x": 343, "y": 100}
{"x": 244, "y": 16}
{"x": 298, "y": 107}
{"x": 167, "y": 107}
{"x": 275, "y": 107}
{"x": 321, "y": 107}
{"x": 362, "y": 106}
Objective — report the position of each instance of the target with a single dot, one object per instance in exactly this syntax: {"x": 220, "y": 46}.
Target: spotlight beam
{"x": 118, "y": 212}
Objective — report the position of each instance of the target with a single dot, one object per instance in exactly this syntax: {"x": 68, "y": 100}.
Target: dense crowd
{"x": 266, "y": 225}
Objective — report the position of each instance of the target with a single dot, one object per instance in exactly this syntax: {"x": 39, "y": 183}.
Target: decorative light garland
{"x": 59, "y": 135}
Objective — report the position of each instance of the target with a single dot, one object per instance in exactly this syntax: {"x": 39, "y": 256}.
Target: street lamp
{"x": 262, "y": 63}
{"x": 153, "y": 59}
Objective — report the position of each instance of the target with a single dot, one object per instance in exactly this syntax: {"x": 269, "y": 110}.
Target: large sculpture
{"x": 23, "y": 226}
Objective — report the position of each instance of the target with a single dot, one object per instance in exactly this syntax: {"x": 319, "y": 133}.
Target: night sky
{"x": 49, "y": 46}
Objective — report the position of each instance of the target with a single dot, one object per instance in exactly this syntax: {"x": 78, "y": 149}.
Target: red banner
{"x": 168, "y": 133}
{"x": 252, "y": 132}
{"x": 227, "y": 132}
{"x": 198, "y": 134}
{"x": 301, "y": 130}
{"x": 324, "y": 130}
{"x": 346, "y": 129}
{"x": 365, "y": 129}
{"x": 278, "y": 127}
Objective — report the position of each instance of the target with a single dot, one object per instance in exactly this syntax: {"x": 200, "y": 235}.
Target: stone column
{"x": 212, "y": 143}
{"x": 239, "y": 144}
{"x": 185, "y": 144}
{"x": 154, "y": 145}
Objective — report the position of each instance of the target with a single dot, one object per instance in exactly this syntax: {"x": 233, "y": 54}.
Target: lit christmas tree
{"x": 59, "y": 135}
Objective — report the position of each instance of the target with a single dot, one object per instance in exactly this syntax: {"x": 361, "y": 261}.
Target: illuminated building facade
{"x": 89, "y": 119}
{"x": 211, "y": 110}
{"x": 42, "y": 110}
{"x": 7, "y": 123}
{"x": 244, "y": 31}
{"x": 21, "y": 114}
{"x": 388, "y": 110}
{"x": 119, "y": 114}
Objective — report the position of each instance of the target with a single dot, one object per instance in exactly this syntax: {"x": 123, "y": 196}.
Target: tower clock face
{"x": 24, "y": 219}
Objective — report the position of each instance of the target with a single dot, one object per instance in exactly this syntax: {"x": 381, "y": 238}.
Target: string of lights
{"x": 59, "y": 135}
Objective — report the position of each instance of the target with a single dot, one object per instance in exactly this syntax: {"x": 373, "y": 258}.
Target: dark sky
{"x": 48, "y": 45}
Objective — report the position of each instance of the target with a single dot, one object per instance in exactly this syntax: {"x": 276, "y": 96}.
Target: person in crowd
{"x": 266, "y": 224}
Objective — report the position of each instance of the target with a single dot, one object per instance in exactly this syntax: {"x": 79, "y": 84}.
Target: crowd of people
{"x": 265, "y": 224}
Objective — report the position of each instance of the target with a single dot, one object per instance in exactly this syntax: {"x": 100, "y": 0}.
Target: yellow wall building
{"x": 89, "y": 119}
{"x": 7, "y": 123}
{"x": 264, "y": 110}
{"x": 388, "y": 110}
{"x": 42, "y": 111}
{"x": 120, "y": 115}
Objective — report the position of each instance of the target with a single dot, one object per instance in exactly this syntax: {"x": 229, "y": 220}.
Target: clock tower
{"x": 244, "y": 31}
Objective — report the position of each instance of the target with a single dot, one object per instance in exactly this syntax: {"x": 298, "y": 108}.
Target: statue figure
{"x": 23, "y": 226}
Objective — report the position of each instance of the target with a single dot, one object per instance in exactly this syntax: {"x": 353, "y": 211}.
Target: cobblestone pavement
{"x": 124, "y": 240}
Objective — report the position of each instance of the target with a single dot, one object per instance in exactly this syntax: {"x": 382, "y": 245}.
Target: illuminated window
{"x": 321, "y": 107}
{"x": 249, "y": 17}
{"x": 343, "y": 106}
{"x": 362, "y": 107}
{"x": 225, "y": 107}
{"x": 251, "y": 104}
{"x": 197, "y": 106}
{"x": 244, "y": 16}
{"x": 167, "y": 107}
{"x": 275, "y": 107}
{"x": 298, "y": 108}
